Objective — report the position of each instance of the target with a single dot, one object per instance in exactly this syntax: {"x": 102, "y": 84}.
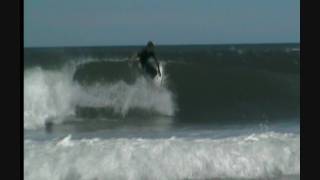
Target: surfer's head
{"x": 150, "y": 46}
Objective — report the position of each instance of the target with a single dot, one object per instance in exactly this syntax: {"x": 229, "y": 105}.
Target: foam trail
{"x": 267, "y": 155}
{"x": 122, "y": 97}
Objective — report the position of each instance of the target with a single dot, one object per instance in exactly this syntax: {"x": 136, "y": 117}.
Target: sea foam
{"x": 265, "y": 155}
{"x": 53, "y": 95}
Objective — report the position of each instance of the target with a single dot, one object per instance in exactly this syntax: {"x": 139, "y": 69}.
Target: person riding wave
{"x": 144, "y": 55}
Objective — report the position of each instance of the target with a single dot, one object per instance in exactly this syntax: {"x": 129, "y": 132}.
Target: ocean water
{"x": 222, "y": 112}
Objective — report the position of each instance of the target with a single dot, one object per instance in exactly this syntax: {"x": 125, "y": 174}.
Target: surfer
{"x": 144, "y": 55}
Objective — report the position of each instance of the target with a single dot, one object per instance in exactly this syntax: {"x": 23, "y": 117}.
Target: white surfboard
{"x": 158, "y": 79}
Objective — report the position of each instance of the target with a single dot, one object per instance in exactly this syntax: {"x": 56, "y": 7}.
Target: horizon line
{"x": 138, "y": 45}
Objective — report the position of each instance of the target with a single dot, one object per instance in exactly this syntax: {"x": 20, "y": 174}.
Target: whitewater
{"x": 53, "y": 95}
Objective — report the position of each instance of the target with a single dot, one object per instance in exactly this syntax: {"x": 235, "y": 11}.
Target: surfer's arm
{"x": 134, "y": 57}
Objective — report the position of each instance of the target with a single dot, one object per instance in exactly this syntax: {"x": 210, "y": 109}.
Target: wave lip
{"x": 266, "y": 155}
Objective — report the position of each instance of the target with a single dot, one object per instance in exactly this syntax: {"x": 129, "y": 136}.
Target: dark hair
{"x": 150, "y": 44}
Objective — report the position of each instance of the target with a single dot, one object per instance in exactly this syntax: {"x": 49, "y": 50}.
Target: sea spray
{"x": 54, "y": 94}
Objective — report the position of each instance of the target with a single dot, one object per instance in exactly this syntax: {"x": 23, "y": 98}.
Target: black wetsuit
{"x": 144, "y": 56}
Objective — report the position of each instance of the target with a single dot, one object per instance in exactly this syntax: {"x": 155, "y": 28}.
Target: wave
{"x": 239, "y": 89}
{"x": 265, "y": 155}
{"x": 53, "y": 95}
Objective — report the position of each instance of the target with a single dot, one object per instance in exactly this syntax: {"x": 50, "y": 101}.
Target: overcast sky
{"x": 133, "y": 22}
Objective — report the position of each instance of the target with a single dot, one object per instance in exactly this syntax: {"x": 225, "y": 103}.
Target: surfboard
{"x": 157, "y": 79}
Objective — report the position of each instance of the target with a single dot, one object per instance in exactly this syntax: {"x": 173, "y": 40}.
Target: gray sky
{"x": 133, "y": 22}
